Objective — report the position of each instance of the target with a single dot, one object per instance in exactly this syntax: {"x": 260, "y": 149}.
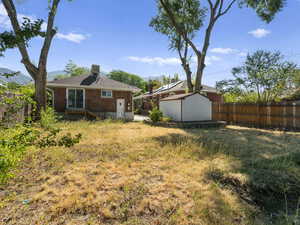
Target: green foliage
{"x": 240, "y": 98}
{"x": 166, "y": 119}
{"x": 48, "y": 118}
{"x": 15, "y": 141}
{"x": 264, "y": 75}
{"x": 265, "y": 9}
{"x": 155, "y": 115}
{"x": 14, "y": 97}
{"x": 189, "y": 17}
{"x": 29, "y": 29}
{"x": 187, "y": 13}
{"x": 61, "y": 76}
{"x": 296, "y": 80}
{"x": 127, "y": 78}
{"x": 168, "y": 80}
{"x": 154, "y": 84}
{"x": 72, "y": 69}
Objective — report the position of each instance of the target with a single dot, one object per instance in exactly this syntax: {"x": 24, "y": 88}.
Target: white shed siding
{"x": 196, "y": 108}
{"x": 171, "y": 109}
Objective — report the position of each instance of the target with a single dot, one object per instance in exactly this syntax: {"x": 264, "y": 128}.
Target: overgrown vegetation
{"x": 152, "y": 175}
{"x": 155, "y": 115}
{"x": 264, "y": 77}
{"x": 14, "y": 141}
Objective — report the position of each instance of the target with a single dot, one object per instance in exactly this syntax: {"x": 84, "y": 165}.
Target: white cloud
{"x": 243, "y": 54}
{"x": 2, "y": 10}
{"x": 208, "y": 59}
{"x": 224, "y": 50}
{"x": 76, "y": 38}
{"x": 259, "y": 33}
{"x": 5, "y": 24}
{"x": 4, "y": 21}
{"x": 155, "y": 60}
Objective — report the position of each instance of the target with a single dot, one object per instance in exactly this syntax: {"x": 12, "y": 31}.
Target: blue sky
{"x": 116, "y": 35}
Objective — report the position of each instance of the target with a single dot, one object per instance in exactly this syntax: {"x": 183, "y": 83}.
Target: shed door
{"x": 120, "y": 108}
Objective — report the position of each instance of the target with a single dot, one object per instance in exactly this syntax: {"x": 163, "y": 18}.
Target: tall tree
{"x": 37, "y": 72}
{"x": 190, "y": 15}
{"x": 264, "y": 73}
{"x": 265, "y": 9}
{"x": 28, "y": 30}
{"x": 73, "y": 70}
{"x": 128, "y": 78}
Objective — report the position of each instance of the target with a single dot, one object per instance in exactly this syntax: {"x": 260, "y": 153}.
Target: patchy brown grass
{"x": 132, "y": 173}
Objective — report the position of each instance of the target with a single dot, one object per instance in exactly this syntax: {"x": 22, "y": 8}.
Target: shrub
{"x": 155, "y": 115}
{"x": 15, "y": 141}
{"x": 48, "y": 118}
{"x": 166, "y": 119}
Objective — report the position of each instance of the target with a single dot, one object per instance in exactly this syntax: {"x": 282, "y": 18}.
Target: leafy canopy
{"x": 29, "y": 29}
{"x": 127, "y": 78}
{"x": 187, "y": 13}
{"x": 264, "y": 73}
{"x": 72, "y": 69}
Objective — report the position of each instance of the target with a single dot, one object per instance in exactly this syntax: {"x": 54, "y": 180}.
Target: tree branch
{"x": 50, "y": 33}
{"x": 12, "y": 14}
{"x": 228, "y": 8}
{"x": 210, "y": 4}
{"x": 178, "y": 29}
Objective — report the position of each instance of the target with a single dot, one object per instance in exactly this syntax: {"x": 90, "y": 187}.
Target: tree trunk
{"x": 201, "y": 57}
{"x": 189, "y": 78}
{"x": 199, "y": 75}
{"x": 40, "y": 92}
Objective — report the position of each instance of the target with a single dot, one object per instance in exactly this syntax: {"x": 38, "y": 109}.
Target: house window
{"x": 106, "y": 93}
{"x": 75, "y": 98}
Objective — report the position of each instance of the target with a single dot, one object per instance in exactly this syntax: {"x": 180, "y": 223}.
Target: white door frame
{"x": 120, "y": 115}
{"x": 67, "y": 94}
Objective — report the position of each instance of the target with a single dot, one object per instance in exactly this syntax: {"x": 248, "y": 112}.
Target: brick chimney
{"x": 95, "y": 70}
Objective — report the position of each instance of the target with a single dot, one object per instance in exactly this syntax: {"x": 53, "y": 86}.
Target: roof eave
{"x": 90, "y": 87}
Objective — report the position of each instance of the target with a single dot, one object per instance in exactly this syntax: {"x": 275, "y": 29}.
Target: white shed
{"x": 187, "y": 107}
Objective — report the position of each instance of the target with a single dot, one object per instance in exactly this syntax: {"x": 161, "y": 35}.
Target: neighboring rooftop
{"x": 173, "y": 87}
{"x": 92, "y": 80}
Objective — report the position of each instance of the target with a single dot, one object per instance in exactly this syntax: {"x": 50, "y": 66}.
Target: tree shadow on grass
{"x": 269, "y": 160}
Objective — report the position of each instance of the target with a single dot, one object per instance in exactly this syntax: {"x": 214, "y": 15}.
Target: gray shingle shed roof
{"x": 93, "y": 82}
{"x": 180, "y": 96}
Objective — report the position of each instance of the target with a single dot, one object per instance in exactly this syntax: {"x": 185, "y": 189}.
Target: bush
{"x": 48, "y": 118}
{"x": 166, "y": 119}
{"x": 155, "y": 115}
{"x": 15, "y": 141}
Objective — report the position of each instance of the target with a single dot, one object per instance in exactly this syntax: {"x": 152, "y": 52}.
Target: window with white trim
{"x": 106, "y": 93}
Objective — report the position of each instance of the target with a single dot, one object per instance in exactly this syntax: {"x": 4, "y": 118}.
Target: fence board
{"x": 259, "y": 115}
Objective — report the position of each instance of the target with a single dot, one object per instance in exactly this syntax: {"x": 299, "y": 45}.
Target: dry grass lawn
{"x": 132, "y": 173}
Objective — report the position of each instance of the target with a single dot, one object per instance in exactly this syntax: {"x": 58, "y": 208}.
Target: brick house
{"x": 93, "y": 94}
{"x": 144, "y": 101}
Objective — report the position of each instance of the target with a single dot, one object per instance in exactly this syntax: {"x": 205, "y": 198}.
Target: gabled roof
{"x": 92, "y": 81}
{"x": 173, "y": 87}
{"x": 180, "y": 96}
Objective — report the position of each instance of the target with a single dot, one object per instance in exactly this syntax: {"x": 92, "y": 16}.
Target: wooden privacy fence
{"x": 284, "y": 116}
{"x": 10, "y": 117}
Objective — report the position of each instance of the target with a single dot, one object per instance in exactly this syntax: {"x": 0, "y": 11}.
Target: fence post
{"x": 258, "y": 115}
{"x": 219, "y": 111}
{"x": 269, "y": 114}
{"x": 294, "y": 115}
{"x": 227, "y": 113}
{"x": 234, "y": 113}
{"x": 284, "y": 116}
